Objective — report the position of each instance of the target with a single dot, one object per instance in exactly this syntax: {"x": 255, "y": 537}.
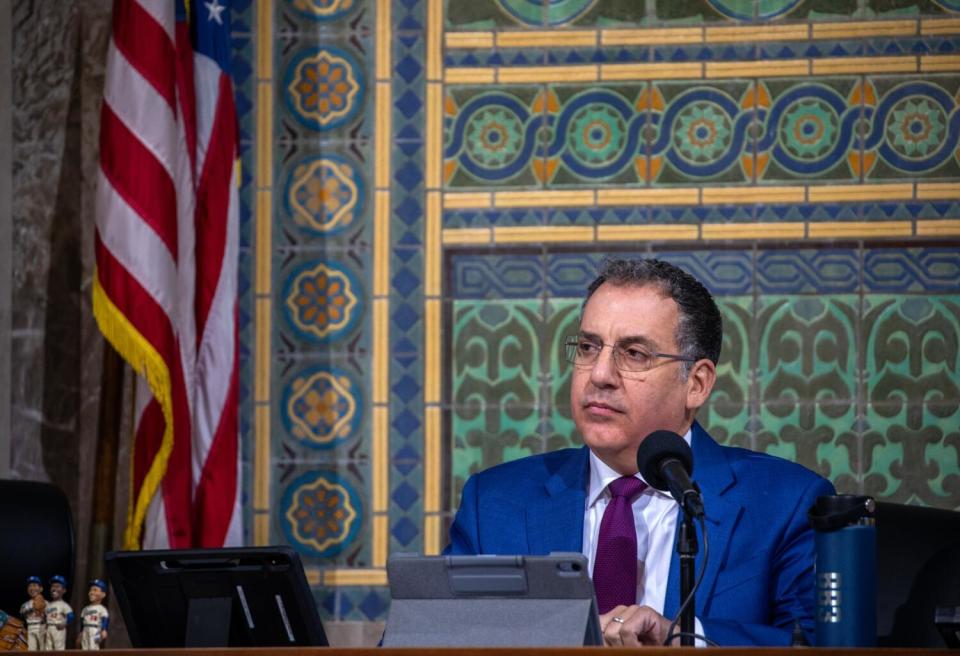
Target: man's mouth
{"x": 600, "y": 407}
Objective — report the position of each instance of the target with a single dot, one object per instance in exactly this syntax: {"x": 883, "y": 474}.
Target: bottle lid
{"x": 830, "y": 513}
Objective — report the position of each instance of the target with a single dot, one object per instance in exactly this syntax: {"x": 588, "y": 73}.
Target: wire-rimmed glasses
{"x": 627, "y": 355}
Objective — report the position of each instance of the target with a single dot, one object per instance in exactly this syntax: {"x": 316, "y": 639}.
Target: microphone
{"x": 665, "y": 461}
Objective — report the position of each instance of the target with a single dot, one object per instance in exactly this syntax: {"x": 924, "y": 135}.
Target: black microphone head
{"x": 658, "y": 446}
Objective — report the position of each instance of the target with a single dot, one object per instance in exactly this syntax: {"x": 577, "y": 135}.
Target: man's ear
{"x": 700, "y": 383}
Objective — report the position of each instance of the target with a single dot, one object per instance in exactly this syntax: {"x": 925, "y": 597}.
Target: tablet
{"x": 487, "y": 601}
{"x": 947, "y": 621}
{"x": 236, "y": 597}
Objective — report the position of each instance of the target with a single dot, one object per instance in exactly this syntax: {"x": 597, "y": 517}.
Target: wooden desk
{"x": 533, "y": 651}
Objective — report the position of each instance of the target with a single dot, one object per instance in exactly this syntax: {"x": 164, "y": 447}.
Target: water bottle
{"x": 846, "y": 570}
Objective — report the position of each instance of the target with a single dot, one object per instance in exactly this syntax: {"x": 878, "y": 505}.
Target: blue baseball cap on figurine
{"x": 34, "y": 579}
{"x": 56, "y": 578}
{"x": 100, "y": 583}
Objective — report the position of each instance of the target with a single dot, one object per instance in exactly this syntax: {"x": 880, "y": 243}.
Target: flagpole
{"x": 105, "y": 469}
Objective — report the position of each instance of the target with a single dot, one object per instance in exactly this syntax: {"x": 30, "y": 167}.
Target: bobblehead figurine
{"x": 33, "y": 613}
{"x": 59, "y": 615}
{"x": 94, "y": 618}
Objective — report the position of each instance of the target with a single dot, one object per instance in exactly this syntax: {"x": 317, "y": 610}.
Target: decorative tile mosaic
{"x": 839, "y": 129}
{"x": 428, "y": 187}
{"x": 321, "y": 514}
{"x": 812, "y": 355}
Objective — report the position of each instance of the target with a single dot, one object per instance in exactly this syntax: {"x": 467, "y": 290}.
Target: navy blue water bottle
{"x": 846, "y": 570}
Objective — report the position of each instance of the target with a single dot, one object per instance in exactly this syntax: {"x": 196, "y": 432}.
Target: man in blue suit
{"x": 645, "y": 360}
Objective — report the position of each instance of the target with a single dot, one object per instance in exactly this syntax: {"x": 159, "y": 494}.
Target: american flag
{"x": 165, "y": 288}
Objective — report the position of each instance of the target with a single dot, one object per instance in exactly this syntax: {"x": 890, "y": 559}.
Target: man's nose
{"x": 604, "y": 372}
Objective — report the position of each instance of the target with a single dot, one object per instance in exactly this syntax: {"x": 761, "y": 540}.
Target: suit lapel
{"x": 554, "y": 521}
{"x": 714, "y": 476}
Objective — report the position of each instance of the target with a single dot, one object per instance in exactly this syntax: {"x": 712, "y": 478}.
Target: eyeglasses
{"x": 627, "y": 356}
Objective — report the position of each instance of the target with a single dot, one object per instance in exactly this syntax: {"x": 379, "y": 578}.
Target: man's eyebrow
{"x": 629, "y": 339}
{"x": 637, "y": 339}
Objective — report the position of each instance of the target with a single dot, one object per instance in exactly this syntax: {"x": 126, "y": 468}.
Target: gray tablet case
{"x": 491, "y": 601}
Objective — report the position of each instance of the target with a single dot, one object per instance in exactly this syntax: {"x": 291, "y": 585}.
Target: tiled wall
{"x": 428, "y": 187}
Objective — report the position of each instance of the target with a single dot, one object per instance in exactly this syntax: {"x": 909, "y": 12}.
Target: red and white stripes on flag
{"x": 165, "y": 288}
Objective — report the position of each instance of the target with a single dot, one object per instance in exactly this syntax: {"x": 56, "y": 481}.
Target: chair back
{"x": 36, "y": 539}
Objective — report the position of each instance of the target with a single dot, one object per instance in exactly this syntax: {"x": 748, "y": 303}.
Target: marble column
{"x": 58, "y": 52}
{"x": 6, "y": 224}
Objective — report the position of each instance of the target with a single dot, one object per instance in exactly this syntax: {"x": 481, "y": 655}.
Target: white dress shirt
{"x": 655, "y": 519}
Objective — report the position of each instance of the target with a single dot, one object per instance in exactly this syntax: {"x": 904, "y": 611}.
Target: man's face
{"x": 33, "y": 589}
{"x": 56, "y": 591}
{"x": 615, "y": 410}
{"x": 95, "y": 594}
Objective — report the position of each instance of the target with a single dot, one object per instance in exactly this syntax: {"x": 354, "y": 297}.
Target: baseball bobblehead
{"x": 58, "y": 615}
{"x": 33, "y": 612}
{"x": 94, "y": 617}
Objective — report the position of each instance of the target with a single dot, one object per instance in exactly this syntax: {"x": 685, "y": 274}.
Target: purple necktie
{"x": 615, "y": 568}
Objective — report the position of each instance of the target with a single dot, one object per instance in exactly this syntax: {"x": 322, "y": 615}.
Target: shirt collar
{"x": 602, "y": 475}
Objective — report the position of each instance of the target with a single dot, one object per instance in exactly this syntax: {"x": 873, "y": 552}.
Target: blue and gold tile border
{"x": 263, "y": 506}
{"x": 433, "y": 257}
{"x": 263, "y": 274}
{"x": 701, "y": 34}
{"x": 375, "y": 573}
{"x": 380, "y": 484}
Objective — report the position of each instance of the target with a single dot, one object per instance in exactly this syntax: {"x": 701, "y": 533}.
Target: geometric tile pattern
{"x": 820, "y": 364}
{"x": 427, "y": 187}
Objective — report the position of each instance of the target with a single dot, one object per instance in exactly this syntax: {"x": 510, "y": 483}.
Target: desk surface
{"x": 531, "y": 651}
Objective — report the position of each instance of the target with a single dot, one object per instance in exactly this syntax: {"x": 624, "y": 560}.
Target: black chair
{"x": 918, "y": 569}
{"x": 36, "y": 538}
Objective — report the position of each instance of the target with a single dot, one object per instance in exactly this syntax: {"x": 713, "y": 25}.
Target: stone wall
{"x": 55, "y": 348}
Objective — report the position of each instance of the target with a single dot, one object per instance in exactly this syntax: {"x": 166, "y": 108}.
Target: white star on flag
{"x": 215, "y": 9}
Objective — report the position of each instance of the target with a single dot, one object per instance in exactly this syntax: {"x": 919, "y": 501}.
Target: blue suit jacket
{"x": 759, "y": 576}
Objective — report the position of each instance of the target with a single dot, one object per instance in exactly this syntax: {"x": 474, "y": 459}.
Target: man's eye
{"x": 634, "y": 354}
{"x": 587, "y": 347}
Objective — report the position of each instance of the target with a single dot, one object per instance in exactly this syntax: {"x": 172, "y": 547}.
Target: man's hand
{"x": 633, "y": 626}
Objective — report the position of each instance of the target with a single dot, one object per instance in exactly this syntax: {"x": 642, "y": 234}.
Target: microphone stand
{"x": 687, "y": 548}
